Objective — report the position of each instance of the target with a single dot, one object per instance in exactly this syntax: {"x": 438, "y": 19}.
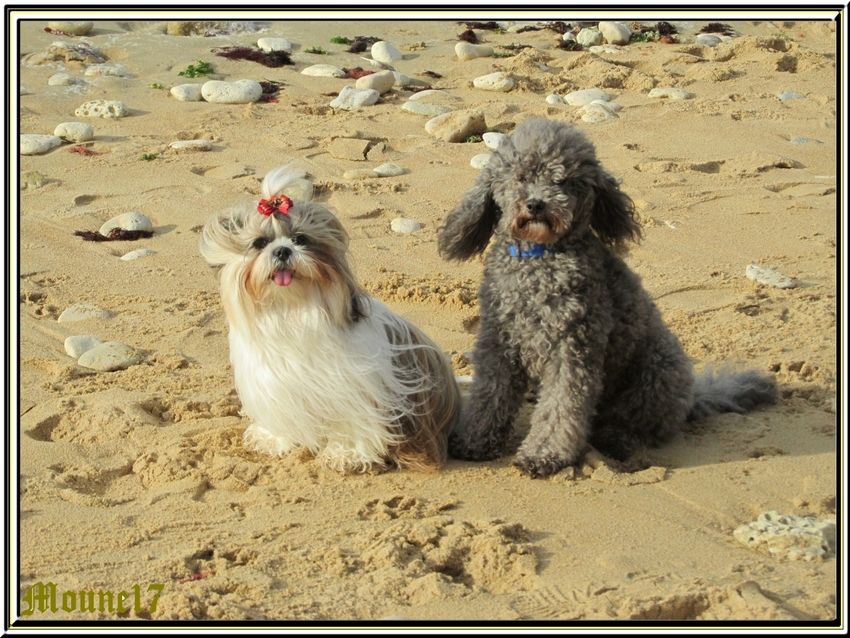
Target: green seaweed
{"x": 195, "y": 70}
{"x": 341, "y": 39}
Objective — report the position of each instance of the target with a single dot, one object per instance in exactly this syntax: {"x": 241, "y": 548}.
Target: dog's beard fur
{"x": 318, "y": 364}
{"x": 538, "y": 212}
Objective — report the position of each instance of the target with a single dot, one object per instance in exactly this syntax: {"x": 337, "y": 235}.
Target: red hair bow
{"x": 280, "y": 204}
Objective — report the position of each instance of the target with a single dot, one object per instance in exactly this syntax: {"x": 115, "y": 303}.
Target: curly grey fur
{"x": 574, "y": 319}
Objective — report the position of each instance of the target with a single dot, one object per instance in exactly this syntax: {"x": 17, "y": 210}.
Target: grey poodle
{"x": 560, "y": 308}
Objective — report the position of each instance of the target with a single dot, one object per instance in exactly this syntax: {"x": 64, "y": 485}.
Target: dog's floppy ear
{"x": 613, "y": 215}
{"x": 470, "y": 225}
{"x": 218, "y": 241}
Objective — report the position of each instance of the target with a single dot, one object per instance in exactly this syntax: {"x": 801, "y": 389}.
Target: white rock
{"x": 770, "y": 277}
{"x": 611, "y": 107}
{"x": 389, "y": 170}
{"x": 615, "y": 32}
{"x": 127, "y": 221}
{"x": 323, "y": 71}
{"x": 300, "y": 189}
{"x": 78, "y": 344}
{"x": 109, "y": 356}
{"x": 610, "y": 49}
{"x": 709, "y": 39}
{"x": 790, "y": 537}
{"x": 63, "y": 79}
{"x": 377, "y": 66}
{"x": 404, "y": 226}
{"x": 589, "y": 37}
{"x": 403, "y": 80}
{"x": 385, "y": 53}
{"x": 480, "y": 161}
{"x": 569, "y": 36}
{"x": 103, "y": 108}
{"x": 191, "y": 146}
{"x": 521, "y": 26}
{"x": 672, "y": 94}
{"x": 554, "y": 99}
{"x": 135, "y": 254}
{"x": 239, "y": 92}
{"x": 32, "y": 144}
{"x": 595, "y": 113}
{"x": 492, "y": 139}
{"x": 74, "y": 131}
{"x": 360, "y": 173}
{"x": 350, "y": 98}
{"x": 468, "y": 51}
{"x": 585, "y": 96}
{"x": 423, "y": 108}
{"x": 81, "y": 312}
{"x": 380, "y": 82}
{"x": 73, "y": 28}
{"x": 107, "y": 70}
{"x": 187, "y": 92}
{"x": 274, "y": 44}
{"x": 431, "y": 94}
{"x": 456, "y": 126}
{"x": 498, "y": 81}
{"x": 24, "y": 91}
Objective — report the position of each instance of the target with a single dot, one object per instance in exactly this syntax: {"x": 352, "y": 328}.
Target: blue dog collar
{"x": 536, "y": 250}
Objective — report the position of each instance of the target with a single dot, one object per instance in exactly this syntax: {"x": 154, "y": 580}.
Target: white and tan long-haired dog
{"x": 319, "y": 364}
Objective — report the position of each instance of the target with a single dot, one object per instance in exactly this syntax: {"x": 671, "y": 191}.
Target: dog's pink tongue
{"x": 283, "y": 277}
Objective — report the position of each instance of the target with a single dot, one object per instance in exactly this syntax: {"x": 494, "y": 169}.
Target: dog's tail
{"x": 730, "y": 391}
{"x": 277, "y": 180}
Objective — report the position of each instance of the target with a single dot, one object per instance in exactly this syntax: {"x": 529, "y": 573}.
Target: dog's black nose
{"x": 535, "y": 206}
{"x": 282, "y": 253}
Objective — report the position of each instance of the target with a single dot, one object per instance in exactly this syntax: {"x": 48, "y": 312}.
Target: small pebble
{"x": 389, "y": 170}
{"x": 74, "y": 28}
{"x": 480, "y": 161}
{"x": 63, "y": 79}
{"x": 239, "y": 92}
{"x": 709, "y": 39}
{"x": 423, "y": 108}
{"x": 109, "y": 356}
{"x": 585, "y": 97}
{"x": 323, "y": 71}
{"x": 32, "y": 144}
{"x": 360, "y": 173}
{"x": 103, "y": 108}
{"x": 569, "y": 36}
{"x": 457, "y": 125}
{"x": 135, "y": 254}
{"x": 351, "y": 99}
{"x": 274, "y": 44}
{"x": 554, "y": 99}
{"x": 498, "y": 81}
{"x": 78, "y": 344}
{"x": 106, "y": 70}
{"x": 385, "y": 53}
{"x": 804, "y": 140}
{"x": 468, "y": 51}
{"x": 191, "y": 146}
{"x": 589, "y": 37}
{"x": 380, "y": 82}
{"x": 770, "y": 277}
{"x": 790, "y": 95}
{"x": 672, "y": 94}
{"x": 81, "y": 312}
{"x": 187, "y": 92}
{"x": 615, "y": 32}
{"x": 127, "y": 221}
{"x": 405, "y": 226}
{"x": 492, "y": 139}
{"x": 74, "y": 131}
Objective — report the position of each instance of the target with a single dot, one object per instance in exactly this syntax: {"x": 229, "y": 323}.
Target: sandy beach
{"x": 138, "y": 476}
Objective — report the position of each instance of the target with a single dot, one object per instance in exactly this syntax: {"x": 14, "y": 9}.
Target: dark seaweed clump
{"x": 468, "y": 36}
{"x": 559, "y": 27}
{"x": 717, "y": 27}
{"x": 483, "y": 26}
{"x": 272, "y": 59}
{"x": 431, "y": 74}
{"x": 116, "y": 234}
{"x": 270, "y": 91}
{"x": 356, "y": 73}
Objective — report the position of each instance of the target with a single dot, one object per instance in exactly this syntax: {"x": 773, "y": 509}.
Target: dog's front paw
{"x": 460, "y": 448}
{"x": 540, "y": 467}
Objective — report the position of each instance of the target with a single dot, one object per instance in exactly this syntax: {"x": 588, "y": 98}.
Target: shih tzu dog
{"x": 320, "y": 365}
{"x": 560, "y": 308}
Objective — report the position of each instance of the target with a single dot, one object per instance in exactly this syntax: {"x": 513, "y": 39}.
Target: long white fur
{"x": 308, "y": 382}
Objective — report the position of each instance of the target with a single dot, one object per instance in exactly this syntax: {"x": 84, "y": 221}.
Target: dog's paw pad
{"x": 538, "y": 468}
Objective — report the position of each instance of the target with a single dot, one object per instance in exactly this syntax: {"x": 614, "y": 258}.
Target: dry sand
{"x": 139, "y": 476}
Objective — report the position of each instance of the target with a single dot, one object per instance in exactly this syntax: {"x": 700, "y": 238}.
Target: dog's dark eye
{"x": 260, "y": 243}
{"x": 299, "y": 240}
